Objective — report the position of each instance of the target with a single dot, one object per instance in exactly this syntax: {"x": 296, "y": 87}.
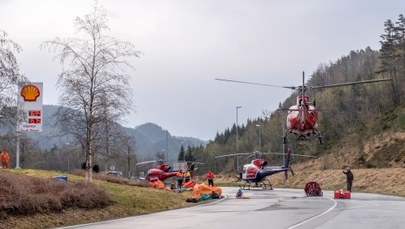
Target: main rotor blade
{"x": 294, "y": 154}
{"x": 302, "y": 155}
{"x": 145, "y": 162}
{"x": 196, "y": 162}
{"x": 240, "y": 154}
{"x": 349, "y": 83}
{"x": 233, "y": 154}
{"x": 260, "y": 84}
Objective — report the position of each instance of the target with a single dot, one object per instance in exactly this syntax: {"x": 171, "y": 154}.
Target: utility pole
{"x": 167, "y": 145}
{"x": 129, "y": 162}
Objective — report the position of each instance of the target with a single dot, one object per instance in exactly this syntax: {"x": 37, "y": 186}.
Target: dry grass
{"x": 112, "y": 179}
{"x": 378, "y": 167}
{"x": 127, "y": 200}
{"x": 384, "y": 181}
{"x": 22, "y": 196}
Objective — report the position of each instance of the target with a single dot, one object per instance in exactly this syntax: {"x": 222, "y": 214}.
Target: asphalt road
{"x": 279, "y": 208}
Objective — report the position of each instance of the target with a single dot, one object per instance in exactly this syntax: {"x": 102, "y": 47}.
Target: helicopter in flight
{"x": 258, "y": 170}
{"x": 303, "y": 116}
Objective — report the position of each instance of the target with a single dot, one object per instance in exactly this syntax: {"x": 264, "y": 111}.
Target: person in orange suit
{"x": 210, "y": 177}
{"x": 4, "y": 159}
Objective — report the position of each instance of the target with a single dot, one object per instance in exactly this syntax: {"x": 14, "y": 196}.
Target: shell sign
{"x": 30, "y": 98}
{"x": 30, "y": 93}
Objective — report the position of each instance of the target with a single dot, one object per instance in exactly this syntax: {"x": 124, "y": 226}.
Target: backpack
{"x": 214, "y": 195}
{"x": 191, "y": 200}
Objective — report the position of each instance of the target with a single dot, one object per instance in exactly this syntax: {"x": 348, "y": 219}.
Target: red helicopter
{"x": 162, "y": 171}
{"x": 257, "y": 171}
{"x": 302, "y": 118}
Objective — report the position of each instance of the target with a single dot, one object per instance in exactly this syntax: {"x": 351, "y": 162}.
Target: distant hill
{"x": 149, "y": 137}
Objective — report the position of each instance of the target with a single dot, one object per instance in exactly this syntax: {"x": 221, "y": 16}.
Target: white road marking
{"x": 314, "y": 217}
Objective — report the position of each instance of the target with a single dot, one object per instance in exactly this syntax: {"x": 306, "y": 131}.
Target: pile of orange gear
{"x": 200, "y": 189}
{"x": 189, "y": 184}
{"x": 157, "y": 184}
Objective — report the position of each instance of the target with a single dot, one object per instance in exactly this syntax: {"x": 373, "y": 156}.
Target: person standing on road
{"x": 349, "y": 179}
{"x": 210, "y": 177}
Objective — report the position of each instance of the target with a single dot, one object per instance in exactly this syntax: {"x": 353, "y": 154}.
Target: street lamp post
{"x": 259, "y": 134}
{"x": 184, "y": 152}
{"x": 167, "y": 145}
{"x": 237, "y": 137}
{"x": 283, "y": 148}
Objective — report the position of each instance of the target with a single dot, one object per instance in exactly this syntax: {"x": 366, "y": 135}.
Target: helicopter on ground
{"x": 302, "y": 118}
{"x": 258, "y": 170}
{"x": 163, "y": 171}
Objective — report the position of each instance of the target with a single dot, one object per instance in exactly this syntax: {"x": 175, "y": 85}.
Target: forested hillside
{"x": 357, "y": 121}
{"x": 362, "y": 125}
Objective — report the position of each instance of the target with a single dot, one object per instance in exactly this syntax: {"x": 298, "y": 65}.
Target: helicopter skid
{"x": 265, "y": 185}
{"x": 302, "y": 138}
{"x": 304, "y": 135}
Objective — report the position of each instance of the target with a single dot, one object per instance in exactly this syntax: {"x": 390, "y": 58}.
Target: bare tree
{"x": 109, "y": 132}
{"x": 116, "y": 146}
{"x": 94, "y": 76}
{"x": 9, "y": 77}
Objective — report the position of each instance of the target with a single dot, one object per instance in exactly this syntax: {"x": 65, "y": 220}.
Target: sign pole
{"x": 17, "y": 152}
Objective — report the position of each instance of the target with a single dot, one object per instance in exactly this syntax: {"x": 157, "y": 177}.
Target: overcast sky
{"x": 189, "y": 43}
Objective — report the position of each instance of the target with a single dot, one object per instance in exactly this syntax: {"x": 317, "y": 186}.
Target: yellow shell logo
{"x": 30, "y": 93}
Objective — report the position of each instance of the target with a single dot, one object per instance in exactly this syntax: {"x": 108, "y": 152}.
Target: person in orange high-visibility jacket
{"x": 180, "y": 176}
{"x": 4, "y": 159}
{"x": 210, "y": 177}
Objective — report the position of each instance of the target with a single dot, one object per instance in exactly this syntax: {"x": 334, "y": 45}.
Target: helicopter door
{"x": 244, "y": 172}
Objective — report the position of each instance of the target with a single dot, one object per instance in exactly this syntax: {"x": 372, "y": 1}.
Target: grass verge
{"x": 127, "y": 200}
